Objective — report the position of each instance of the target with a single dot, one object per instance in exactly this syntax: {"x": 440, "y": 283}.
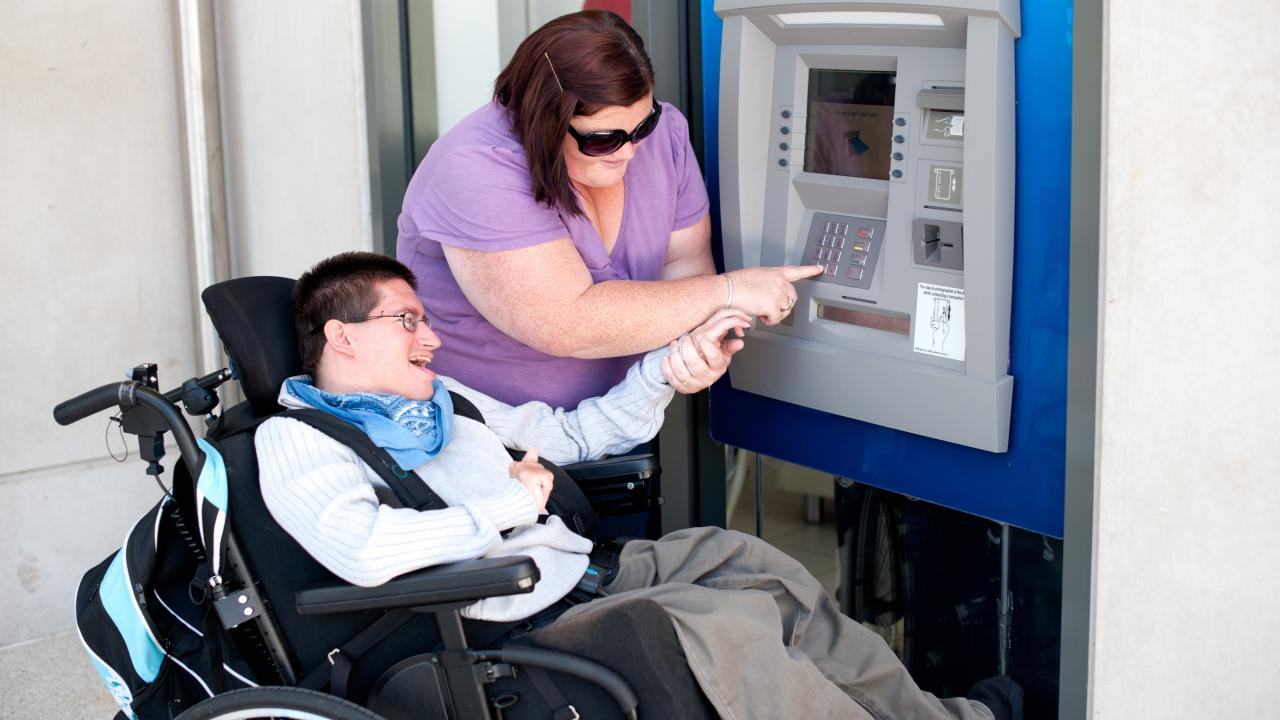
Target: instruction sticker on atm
{"x": 939, "y": 321}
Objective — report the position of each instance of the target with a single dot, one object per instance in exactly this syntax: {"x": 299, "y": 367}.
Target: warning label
{"x": 939, "y": 321}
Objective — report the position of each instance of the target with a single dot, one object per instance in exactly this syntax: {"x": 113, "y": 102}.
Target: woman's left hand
{"x": 699, "y": 358}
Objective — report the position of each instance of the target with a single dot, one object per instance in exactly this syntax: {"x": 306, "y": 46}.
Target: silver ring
{"x": 790, "y": 303}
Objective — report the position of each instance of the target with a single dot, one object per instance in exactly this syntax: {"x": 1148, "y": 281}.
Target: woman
{"x": 562, "y": 229}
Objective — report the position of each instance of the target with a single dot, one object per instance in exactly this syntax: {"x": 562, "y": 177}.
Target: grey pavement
{"x": 51, "y": 679}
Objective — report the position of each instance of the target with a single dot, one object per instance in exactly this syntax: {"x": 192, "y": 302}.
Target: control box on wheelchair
{"x": 211, "y": 610}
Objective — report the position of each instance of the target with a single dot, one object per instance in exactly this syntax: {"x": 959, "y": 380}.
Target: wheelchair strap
{"x": 463, "y": 407}
{"x": 566, "y": 501}
{"x": 560, "y": 707}
{"x": 408, "y": 487}
{"x": 336, "y": 669}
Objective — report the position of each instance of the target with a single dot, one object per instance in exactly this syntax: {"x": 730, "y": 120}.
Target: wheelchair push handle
{"x": 94, "y": 401}
{"x": 125, "y": 395}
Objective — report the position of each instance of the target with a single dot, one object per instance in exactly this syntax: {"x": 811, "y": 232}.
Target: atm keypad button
{"x": 866, "y": 233}
{"x": 826, "y": 227}
{"x": 822, "y": 254}
{"x": 855, "y": 273}
{"x": 842, "y": 229}
{"x": 834, "y": 256}
{"x": 859, "y": 259}
{"x": 833, "y": 268}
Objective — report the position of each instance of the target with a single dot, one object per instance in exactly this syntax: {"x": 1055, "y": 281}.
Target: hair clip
{"x": 553, "y": 71}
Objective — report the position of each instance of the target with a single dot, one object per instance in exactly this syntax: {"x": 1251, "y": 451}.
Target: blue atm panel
{"x": 1022, "y": 486}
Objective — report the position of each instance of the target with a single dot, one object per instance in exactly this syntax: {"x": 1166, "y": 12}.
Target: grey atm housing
{"x": 941, "y": 214}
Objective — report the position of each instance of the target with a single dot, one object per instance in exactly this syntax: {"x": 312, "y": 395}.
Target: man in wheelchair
{"x": 761, "y": 636}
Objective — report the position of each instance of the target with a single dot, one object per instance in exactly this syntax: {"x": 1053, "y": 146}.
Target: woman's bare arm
{"x": 689, "y": 252}
{"x": 543, "y": 296}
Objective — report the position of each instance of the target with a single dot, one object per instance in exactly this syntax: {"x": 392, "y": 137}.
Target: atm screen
{"x": 850, "y": 127}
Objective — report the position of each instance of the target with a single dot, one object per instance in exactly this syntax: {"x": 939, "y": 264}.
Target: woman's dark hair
{"x": 343, "y": 286}
{"x": 577, "y": 64}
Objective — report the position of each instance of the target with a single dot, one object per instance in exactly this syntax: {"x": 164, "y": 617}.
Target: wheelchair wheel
{"x": 277, "y": 702}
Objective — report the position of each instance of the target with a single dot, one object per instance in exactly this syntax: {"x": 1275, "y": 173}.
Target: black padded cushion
{"x": 254, "y": 318}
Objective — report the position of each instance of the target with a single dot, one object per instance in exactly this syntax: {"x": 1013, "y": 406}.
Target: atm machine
{"x": 919, "y": 152}
{"x": 881, "y": 147}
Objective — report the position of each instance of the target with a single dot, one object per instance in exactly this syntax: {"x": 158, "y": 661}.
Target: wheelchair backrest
{"x": 254, "y": 318}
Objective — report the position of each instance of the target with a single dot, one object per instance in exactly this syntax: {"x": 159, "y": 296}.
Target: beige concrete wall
{"x": 95, "y": 276}
{"x": 94, "y": 244}
{"x": 295, "y": 129}
{"x": 1187, "y": 575}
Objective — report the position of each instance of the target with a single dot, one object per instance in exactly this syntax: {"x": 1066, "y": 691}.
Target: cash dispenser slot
{"x": 941, "y": 98}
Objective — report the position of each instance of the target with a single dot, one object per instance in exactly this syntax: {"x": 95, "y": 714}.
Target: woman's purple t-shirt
{"x": 473, "y": 191}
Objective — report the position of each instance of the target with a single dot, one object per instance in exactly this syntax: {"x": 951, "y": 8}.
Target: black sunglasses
{"x": 607, "y": 142}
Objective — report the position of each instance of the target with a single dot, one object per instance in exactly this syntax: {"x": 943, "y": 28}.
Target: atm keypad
{"x": 847, "y": 247}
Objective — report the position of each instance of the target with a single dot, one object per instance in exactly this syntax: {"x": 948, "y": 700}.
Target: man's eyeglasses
{"x": 408, "y": 320}
{"x": 607, "y": 142}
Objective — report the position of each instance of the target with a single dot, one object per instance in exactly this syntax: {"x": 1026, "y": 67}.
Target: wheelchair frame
{"x": 441, "y": 591}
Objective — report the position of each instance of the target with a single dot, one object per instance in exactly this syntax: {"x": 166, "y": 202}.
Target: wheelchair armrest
{"x": 642, "y": 465}
{"x": 460, "y": 582}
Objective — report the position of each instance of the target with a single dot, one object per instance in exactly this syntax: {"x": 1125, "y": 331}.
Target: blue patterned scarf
{"x": 412, "y": 431}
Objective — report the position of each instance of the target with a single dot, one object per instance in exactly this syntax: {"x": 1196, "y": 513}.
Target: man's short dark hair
{"x": 340, "y": 287}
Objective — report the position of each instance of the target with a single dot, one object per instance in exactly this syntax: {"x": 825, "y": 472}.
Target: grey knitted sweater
{"x": 325, "y": 497}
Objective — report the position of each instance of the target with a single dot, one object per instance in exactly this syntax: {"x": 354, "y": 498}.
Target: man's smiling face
{"x": 387, "y": 358}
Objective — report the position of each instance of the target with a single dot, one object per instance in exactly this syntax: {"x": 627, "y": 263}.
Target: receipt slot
{"x": 876, "y": 139}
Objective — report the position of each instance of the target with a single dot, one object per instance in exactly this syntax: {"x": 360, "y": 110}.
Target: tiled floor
{"x": 785, "y": 527}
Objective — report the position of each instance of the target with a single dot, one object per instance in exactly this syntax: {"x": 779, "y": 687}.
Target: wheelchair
{"x": 280, "y": 636}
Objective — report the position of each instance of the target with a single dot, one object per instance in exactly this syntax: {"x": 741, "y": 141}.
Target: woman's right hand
{"x": 769, "y": 293}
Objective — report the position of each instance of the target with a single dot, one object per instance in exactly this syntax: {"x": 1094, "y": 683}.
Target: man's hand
{"x": 535, "y": 478}
{"x": 702, "y": 356}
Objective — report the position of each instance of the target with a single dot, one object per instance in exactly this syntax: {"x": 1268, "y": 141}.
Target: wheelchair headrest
{"x": 254, "y": 318}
